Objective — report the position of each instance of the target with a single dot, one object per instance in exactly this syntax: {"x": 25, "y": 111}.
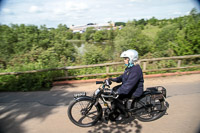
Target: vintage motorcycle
{"x": 85, "y": 111}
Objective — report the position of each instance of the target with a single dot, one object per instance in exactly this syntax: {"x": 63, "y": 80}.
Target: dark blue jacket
{"x": 132, "y": 81}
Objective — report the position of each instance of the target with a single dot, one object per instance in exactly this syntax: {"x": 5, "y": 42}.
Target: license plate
{"x": 80, "y": 94}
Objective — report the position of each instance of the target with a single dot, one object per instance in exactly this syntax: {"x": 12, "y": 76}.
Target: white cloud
{"x": 177, "y": 13}
{"x": 63, "y": 8}
{"x": 120, "y": 6}
{"x": 134, "y": 0}
{"x": 51, "y": 12}
{"x": 187, "y": 13}
{"x": 74, "y": 6}
{"x": 34, "y": 9}
{"x": 140, "y": 0}
{"x": 58, "y": 11}
{"x": 6, "y": 11}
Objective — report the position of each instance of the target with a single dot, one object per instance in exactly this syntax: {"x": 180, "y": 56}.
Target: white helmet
{"x": 131, "y": 54}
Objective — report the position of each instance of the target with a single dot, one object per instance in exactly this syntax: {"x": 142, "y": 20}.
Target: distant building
{"x": 83, "y": 28}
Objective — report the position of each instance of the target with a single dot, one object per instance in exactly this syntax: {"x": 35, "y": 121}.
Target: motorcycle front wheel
{"x": 82, "y": 113}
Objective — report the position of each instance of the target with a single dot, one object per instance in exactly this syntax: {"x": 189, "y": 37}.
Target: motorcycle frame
{"x": 102, "y": 96}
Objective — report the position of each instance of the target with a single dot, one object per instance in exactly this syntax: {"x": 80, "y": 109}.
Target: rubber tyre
{"x": 153, "y": 118}
{"x": 98, "y": 109}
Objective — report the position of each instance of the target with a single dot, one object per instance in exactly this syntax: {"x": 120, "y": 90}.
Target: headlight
{"x": 97, "y": 92}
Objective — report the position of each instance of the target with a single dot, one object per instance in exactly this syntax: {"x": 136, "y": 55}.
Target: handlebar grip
{"x": 99, "y": 82}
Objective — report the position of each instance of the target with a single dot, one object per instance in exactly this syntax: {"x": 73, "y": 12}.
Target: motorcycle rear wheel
{"x": 77, "y": 113}
{"x": 152, "y": 113}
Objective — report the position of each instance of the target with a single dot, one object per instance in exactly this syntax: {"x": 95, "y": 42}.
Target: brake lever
{"x": 116, "y": 97}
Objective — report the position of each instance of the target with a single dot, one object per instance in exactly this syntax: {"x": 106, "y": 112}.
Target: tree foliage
{"x": 131, "y": 37}
{"x": 28, "y": 47}
{"x": 93, "y": 54}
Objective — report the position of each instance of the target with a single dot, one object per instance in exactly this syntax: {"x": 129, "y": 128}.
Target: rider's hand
{"x": 110, "y": 79}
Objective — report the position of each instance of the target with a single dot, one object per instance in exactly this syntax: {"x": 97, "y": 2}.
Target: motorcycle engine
{"x": 111, "y": 115}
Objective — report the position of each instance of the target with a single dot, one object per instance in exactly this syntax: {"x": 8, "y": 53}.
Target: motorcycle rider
{"x": 132, "y": 80}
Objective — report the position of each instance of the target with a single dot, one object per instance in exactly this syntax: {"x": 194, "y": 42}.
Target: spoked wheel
{"x": 152, "y": 113}
{"x": 83, "y": 113}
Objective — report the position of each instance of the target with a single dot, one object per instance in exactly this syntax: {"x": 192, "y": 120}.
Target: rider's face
{"x": 126, "y": 59}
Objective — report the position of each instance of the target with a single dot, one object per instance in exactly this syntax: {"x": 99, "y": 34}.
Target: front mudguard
{"x": 83, "y": 97}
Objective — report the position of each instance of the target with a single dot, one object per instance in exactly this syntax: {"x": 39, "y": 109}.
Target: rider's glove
{"x": 111, "y": 79}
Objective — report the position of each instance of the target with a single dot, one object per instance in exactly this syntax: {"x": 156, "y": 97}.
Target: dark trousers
{"x": 121, "y": 101}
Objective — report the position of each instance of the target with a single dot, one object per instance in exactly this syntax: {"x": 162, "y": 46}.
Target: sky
{"x": 81, "y": 12}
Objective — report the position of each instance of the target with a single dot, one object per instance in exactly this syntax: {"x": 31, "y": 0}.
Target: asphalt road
{"x": 46, "y": 111}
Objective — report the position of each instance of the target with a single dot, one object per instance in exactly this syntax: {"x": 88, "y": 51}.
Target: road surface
{"x": 46, "y": 111}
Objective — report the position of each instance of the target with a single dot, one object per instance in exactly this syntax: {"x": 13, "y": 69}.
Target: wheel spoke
{"x": 152, "y": 112}
{"x": 82, "y": 113}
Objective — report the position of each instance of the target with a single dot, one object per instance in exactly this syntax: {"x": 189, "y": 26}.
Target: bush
{"x": 28, "y": 82}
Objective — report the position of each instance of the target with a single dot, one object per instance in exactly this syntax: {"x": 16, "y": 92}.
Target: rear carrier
{"x": 158, "y": 89}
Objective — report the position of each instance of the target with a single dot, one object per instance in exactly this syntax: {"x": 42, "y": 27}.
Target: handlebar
{"x": 99, "y": 82}
{"x": 106, "y": 82}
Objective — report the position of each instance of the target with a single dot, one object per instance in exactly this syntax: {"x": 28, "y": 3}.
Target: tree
{"x": 164, "y": 38}
{"x": 141, "y": 22}
{"x": 153, "y": 21}
{"x": 111, "y": 34}
{"x": 99, "y": 36}
{"x": 88, "y": 34}
{"x": 193, "y": 12}
{"x": 45, "y": 37}
{"x": 27, "y": 36}
{"x": 188, "y": 39}
{"x": 131, "y": 37}
{"x": 76, "y": 36}
{"x": 7, "y": 41}
{"x": 192, "y": 31}
{"x": 93, "y": 54}
{"x": 120, "y": 24}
